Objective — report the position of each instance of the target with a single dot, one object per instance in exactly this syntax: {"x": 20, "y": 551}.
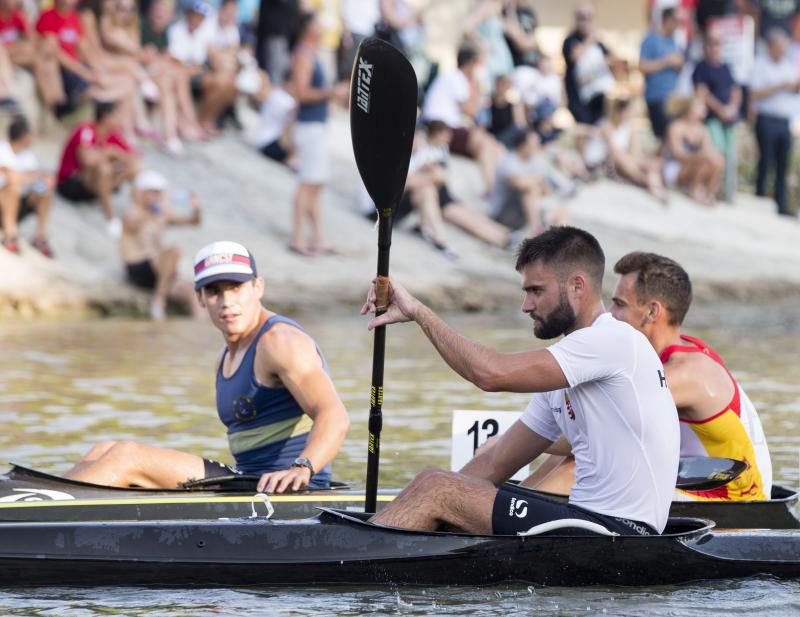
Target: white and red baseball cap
{"x": 223, "y": 261}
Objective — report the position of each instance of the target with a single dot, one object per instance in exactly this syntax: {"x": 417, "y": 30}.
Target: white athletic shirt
{"x": 23, "y": 162}
{"x": 619, "y": 417}
{"x": 445, "y": 97}
{"x": 190, "y": 47}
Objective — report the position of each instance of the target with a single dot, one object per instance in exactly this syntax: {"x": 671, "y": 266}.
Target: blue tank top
{"x": 267, "y": 428}
{"x": 314, "y": 112}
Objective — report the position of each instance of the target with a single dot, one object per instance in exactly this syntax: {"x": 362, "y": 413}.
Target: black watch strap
{"x": 303, "y": 462}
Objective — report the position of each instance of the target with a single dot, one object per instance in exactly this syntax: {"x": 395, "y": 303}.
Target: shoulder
{"x": 284, "y": 343}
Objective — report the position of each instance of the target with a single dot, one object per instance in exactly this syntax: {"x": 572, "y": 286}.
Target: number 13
{"x": 490, "y": 426}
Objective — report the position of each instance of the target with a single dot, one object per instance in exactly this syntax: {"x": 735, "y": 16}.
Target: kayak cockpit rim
{"x": 684, "y": 528}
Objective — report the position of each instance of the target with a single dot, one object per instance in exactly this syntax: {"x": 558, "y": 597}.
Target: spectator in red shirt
{"x": 96, "y": 161}
{"x": 62, "y": 25}
{"x": 27, "y": 50}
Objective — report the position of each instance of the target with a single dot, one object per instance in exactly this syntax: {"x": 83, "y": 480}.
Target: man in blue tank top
{"x": 284, "y": 417}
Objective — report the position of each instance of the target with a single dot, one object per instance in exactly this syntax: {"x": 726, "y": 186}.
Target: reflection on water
{"x": 65, "y": 386}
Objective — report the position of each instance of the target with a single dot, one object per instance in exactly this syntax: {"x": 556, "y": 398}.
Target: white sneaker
{"x": 114, "y": 228}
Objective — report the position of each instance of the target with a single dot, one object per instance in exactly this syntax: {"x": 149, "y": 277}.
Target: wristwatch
{"x": 303, "y": 462}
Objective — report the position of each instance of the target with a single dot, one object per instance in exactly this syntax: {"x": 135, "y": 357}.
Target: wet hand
{"x": 401, "y": 307}
{"x": 292, "y": 479}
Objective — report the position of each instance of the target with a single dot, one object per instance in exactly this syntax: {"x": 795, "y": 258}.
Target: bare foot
{"x": 301, "y": 250}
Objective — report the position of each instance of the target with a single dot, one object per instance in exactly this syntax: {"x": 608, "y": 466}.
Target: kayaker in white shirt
{"x": 602, "y": 386}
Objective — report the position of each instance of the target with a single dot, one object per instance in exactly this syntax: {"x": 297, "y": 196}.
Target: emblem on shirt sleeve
{"x": 568, "y": 405}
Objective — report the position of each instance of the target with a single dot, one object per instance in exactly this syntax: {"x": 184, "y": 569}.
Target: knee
{"x": 125, "y": 450}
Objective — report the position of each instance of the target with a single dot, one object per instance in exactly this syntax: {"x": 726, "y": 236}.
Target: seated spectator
{"x": 358, "y": 20}
{"x": 151, "y": 264}
{"x": 26, "y": 50}
{"x": 538, "y": 84}
{"x": 692, "y": 162}
{"x": 723, "y": 97}
{"x": 507, "y": 112}
{"x": 774, "y": 87}
{"x": 455, "y": 99}
{"x": 660, "y": 62}
{"x": 276, "y": 108}
{"x": 625, "y": 157}
{"x": 519, "y": 186}
{"x": 155, "y": 53}
{"x": 24, "y": 188}
{"x": 189, "y": 42}
{"x": 427, "y": 193}
{"x": 587, "y": 78}
{"x": 121, "y": 38}
{"x": 61, "y": 26}
{"x": 96, "y": 161}
{"x": 566, "y": 160}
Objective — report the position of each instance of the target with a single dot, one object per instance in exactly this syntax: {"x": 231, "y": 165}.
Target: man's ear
{"x": 577, "y": 285}
{"x": 655, "y": 310}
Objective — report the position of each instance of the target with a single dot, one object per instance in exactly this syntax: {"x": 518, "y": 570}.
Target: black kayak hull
{"x": 338, "y": 549}
{"x": 30, "y": 495}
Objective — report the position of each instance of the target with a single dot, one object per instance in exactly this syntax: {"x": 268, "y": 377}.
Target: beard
{"x": 560, "y": 319}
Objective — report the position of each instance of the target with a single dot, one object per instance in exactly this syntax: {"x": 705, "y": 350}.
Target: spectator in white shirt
{"x": 24, "y": 188}
{"x": 190, "y": 41}
{"x": 455, "y": 99}
{"x": 774, "y": 87}
{"x": 358, "y": 18}
{"x": 276, "y": 108}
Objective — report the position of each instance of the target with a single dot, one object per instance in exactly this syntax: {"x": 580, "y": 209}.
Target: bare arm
{"x": 117, "y": 39}
{"x": 517, "y": 447}
{"x": 490, "y": 370}
{"x": 290, "y": 356}
{"x": 302, "y": 70}
{"x": 186, "y": 219}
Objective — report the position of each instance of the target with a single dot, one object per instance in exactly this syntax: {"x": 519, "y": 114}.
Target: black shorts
{"x": 25, "y": 207}
{"x": 275, "y": 151}
{"x": 142, "y": 274}
{"x": 518, "y": 509}
{"x": 215, "y": 469}
{"x": 73, "y": 189}
{"x": 406, "y": 207}
{"x": 75, "y": 87}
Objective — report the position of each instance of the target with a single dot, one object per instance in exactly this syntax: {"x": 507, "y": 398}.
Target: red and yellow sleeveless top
{"x": 734, "y": 432}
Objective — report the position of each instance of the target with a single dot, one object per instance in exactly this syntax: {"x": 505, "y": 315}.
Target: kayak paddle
{"x": 383, "y": 112}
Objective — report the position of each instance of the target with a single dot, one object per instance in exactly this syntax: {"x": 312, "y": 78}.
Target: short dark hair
{"x": 659, "y": 278}
{"x": 565, "y": 248}
{"x": 18, "y": 128}
{"x": 667, "y": 13}
{"x": 519, "y": 137}
{"x": 103, "y": 109}
{"x": 466, "y": 54}
{"x": 304, "y": 20}
{"x": 224, "y": 2}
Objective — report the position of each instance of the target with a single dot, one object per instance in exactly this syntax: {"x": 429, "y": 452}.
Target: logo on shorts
{"x": 362, "y": 85}
{"x": 518, "y": 508}
{"x": 640, "y": 529}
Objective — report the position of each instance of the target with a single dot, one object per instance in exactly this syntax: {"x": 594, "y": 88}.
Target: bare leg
{"x": 442, "y": 498}
{"x": 530, "y": 206}
{"x": 183, "y": 291}
{"x": 127, "y": 463}
{"x": 41, "y": 203}
{"x": 97, "y": 451}
{"x": 9, "y": 207}
{"x": 166, "y": 267}
{"x": 167, "y": 104}
{"x": 477, "y": 224}
{"x": 6, "y": 74}
{"x": 47, "y": 73}
{"x": 425, "y": 199}
{"x": 98, "y": 180}
{"x": 486, "y": 151}
{"x": 219, "y": 91}
{"x": 299, "y": 214}
{"x": 314, "y": 212}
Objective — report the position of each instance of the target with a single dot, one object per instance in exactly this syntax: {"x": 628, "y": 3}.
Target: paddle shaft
{"x": 375, "y": 423}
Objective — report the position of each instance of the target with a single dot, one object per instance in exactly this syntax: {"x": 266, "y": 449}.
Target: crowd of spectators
{"x": 170, "y": 73}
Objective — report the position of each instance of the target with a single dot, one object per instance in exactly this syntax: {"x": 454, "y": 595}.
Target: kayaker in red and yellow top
{"x": 717, "y": 418}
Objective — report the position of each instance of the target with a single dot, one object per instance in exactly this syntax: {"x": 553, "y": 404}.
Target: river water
{"x": 63, "y": 386}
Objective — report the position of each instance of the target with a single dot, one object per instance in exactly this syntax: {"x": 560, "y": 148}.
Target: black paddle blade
{"x": 383, "y": 113}
{"x": 707, "y": 473}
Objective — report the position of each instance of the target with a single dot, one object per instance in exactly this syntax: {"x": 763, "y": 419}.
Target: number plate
{"x": 471, "y": 429}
